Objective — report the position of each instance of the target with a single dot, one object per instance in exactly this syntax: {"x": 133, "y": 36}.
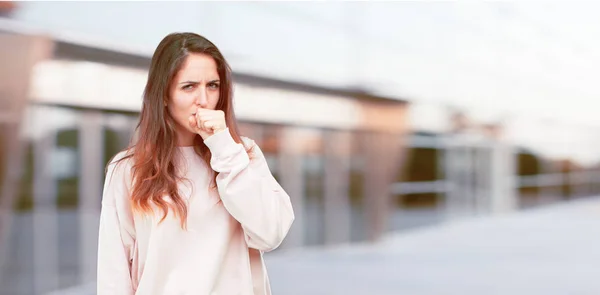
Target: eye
{"x": 187, "y": 87}
{"x": 213, "y": 85}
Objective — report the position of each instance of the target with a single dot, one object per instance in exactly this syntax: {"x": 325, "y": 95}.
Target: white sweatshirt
{"x": 220, "y": 253}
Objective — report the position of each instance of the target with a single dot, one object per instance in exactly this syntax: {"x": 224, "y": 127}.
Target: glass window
{"x": 356, "y": 190}
{"x": 65, "y": 163}
{"x": 118, "y": 130}
{"x": 311, "y": 141}
{"x": 422, "y": 165}
{"x": 528, "y": 165}
{"x": 48, "y": 186}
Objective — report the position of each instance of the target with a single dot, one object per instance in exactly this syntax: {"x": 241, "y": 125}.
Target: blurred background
{"x": 428, "y": 147}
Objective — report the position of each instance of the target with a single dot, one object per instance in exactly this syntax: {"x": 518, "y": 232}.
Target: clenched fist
{"x": 206, "y": 122}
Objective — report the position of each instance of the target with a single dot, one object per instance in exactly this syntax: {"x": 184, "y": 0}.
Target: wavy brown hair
{"x": 154, "y": 173}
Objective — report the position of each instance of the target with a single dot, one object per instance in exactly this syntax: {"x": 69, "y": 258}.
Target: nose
{"x": 201, "y": 97}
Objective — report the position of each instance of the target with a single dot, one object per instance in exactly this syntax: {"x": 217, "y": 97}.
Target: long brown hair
{"x": 153, "y": 169}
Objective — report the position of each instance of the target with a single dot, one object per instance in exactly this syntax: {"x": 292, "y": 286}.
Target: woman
{"x": 191, "y": 207}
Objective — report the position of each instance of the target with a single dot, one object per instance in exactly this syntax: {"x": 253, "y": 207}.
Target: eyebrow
{"x": 196, "y": 82}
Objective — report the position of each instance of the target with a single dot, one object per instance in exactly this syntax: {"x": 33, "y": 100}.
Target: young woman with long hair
{"x": 191, "y": 206}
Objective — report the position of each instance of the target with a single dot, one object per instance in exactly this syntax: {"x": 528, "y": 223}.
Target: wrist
{"x": 219, "y": 129}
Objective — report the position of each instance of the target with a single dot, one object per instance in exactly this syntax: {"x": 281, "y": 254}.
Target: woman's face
{"x": 195, "y": 85}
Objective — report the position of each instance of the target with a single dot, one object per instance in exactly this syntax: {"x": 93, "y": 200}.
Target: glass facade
{"x": 48, "y": 210}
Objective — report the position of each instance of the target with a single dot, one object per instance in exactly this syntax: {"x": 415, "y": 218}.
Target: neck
{"x": 185, "y": 138}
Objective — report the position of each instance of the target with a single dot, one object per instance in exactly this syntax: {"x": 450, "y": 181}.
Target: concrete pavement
{"x": 553, "y": 250}
{"x": 545, "y": 251}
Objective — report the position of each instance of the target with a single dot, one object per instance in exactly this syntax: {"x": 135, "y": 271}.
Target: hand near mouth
{"x": 206, "y": 122}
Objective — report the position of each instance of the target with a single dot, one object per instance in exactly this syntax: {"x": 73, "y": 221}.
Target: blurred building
{"x": 333, "y": 105}
{"x": 72, "y": 106}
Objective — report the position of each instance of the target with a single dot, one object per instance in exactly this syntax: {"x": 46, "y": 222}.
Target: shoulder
{"x": 120, "y": 164}
{"x": 117, "y": 183}
{"x": 124, "y": 156}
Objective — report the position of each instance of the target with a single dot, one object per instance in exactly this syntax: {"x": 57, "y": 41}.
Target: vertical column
{"x": 91, "y": 170}
{"x": 459, "y": 170}
{"x": 382, "y": 163}
{"x": 593, "y": 177}
{"x": 471, "y": 149}
{"x": 442, "y": 156}
{"x": 496, "y": 178}
{"x": 374, "y": 209}
{"x": 591, "y": 185}
{"x": 505, "y": 192}
{"x": 45, "y": 223}
{"x": 483, "y": 171}
{"x": 18, "y": 56}
{"x": 337, "y": 176}
{"x": 451, "y": 176}
{"x": 11, "y": 164}
{"x": 465, "y": 176}
{"x": 292, "y": 180}
{"x": 470, "y": 174}
{"x": 510, "y": 153}
{"x": 499, "y": 179}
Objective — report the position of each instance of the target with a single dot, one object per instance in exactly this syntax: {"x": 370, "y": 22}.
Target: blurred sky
{"x": 524, "y": 62}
